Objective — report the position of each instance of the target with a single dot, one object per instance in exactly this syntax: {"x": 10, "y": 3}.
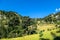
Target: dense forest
{"x": 14, "y": 25}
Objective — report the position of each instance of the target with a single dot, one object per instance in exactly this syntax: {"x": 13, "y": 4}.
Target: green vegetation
{"x": 28, "y": 37}
{"x": 13, "y": 26}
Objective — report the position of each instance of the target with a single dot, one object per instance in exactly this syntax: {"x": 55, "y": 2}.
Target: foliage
{"x": 14, "y": 25}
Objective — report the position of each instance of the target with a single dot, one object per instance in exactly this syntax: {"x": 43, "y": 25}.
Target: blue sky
{"x": 32, "y": 8}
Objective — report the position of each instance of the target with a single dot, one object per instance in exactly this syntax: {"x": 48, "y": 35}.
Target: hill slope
{"x": 29, "y": 37}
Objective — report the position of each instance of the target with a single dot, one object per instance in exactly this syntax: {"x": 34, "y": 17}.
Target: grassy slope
{"x": 29, "y": 37}
{"x": 46, "y": 34}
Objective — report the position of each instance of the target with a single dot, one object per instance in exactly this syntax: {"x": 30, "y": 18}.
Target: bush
{"x": 43, "y": 39}
{"x": 49, "y": 29}
{"x": 40, "y": 32}
{"x": 43, "y": 30}
{"x": 57, "y": 38}
{"x": 41, "y": 35}
{"x": 58, "y": 31}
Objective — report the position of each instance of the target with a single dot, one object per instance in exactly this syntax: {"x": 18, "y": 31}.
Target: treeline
{"x": 53, "y": 18}
{"x": 14, "y": 25}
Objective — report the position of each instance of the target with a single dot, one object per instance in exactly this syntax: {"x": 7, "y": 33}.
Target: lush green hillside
{"x": 13, "y": 26}
{"x": 47, "y": 33}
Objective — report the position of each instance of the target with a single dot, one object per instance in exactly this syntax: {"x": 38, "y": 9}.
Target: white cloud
{"x": 56, "y": 9}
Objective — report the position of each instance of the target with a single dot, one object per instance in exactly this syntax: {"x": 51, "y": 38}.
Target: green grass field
{"x": 46, "y": 33}
{"x": 29, "y": 37}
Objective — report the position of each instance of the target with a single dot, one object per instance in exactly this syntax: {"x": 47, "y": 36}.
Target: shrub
{"x": 49, "y": 29}
{"x": 41, "y": 35}
{"x": 43, "y": 30}
{"x": 43, "y": 39}
{"x": 58, "y": 31}
{"x": 57, "y": 38}
{"x": 40, "y": 32}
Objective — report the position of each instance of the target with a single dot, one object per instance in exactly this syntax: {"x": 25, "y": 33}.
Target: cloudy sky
{"x": 32, "y": 8}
